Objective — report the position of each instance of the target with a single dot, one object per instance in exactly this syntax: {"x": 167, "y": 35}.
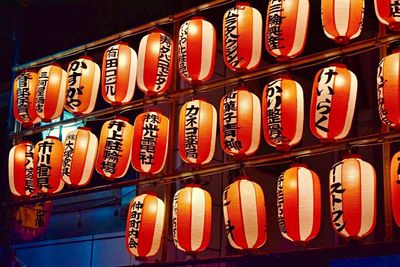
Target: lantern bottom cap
{"x": 141, "y": 258}
{"x": 395, "y": 26}
{"x": 281, "y": 58}
{"x": 342, "y": 40}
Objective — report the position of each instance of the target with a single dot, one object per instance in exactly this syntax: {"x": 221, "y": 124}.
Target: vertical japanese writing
{"x": 23, "y": 94}
{"x": 336, "y": 192}
{"x": 43, "y": 167}
{"x": 41, "y": 90}
{"x": 68, "y": 153}
{"x": 113, "y": 146}
{"x": 274, "y": 112}
{"x": 29, "y": 168}
{"x": 182, "y": 59}
{"x": 274, "y": 24}
{"x": 149, "y": 138}
{"x": 228, "y": 223}
{"x": 383, "y": 112}
{"x": 110, "y": 76}
{"x": 175, "y": 219}
{"x": 231, "y": 37}
{"x": 395, "y": 8}
{"x": 192, "y": 129}
{"x": 280, "y": 201}
{"x": 164, "y": 61}
{"x": 134, "y": 223}
{"x": 75, "y": 90}
{"x": 230, "y": 122}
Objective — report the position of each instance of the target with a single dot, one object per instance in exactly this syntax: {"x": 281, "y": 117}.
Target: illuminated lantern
{"x": 244, "y": 214}
{"x": 333, "y": 101}
{"x": 342, "y": 20}
{"x": 51, "y": 89}
{"x": 150, "y": 142}
{"x": 48, "y": 159}
{"x": 283, "y": 113}
{"x": 21, "y": 170}
{"x": 197, "y": 132}
{"x": 299, "y": 203}
{"x": 395, "y": 186}
{"x": 353, "y": 197}
{"x": 114, "y": 153}
{"x": 144, "y": 226}
{"x": 240, "y": 123}
{"x": 196, "y": 50}
{"x": 388, "y": 13}
{"x": 242, "y": 37}
{"x": 25, "y": 87}
{"x": 83, "y": 85}
{"x": 191, "y": 219}
{"x": 286, "y": 28}
{"x": 155, "y": 61}
{"x": 118, "y": 74}
{"x": 80, "y": 150}
{"x": 388, "y": 90}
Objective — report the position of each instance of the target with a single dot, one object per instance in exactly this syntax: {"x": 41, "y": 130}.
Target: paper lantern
{"x": 155, "y": 61}
{"x": 299, "y": 203}
{"x": 342, "y": 20}
{"x": 150, "y": 142}
{"x": 21, "y": 170}
{"x": 191, "y": 219}
{"x": 51, "y": 89}
{"x": 83, "y": 85}
{"x": 244, "y": 214}
{"x": 353, "y": 197}
{"x": 388, "y": 13}
{"x": 388, "y": 90}
{"x": 196, "y": 50}
{"x": 24, "y": 98}
{"x": 118, "y": 74}
{"x": 283, "y": 113}
{"x": 395, "y": 186}
{"x": 197, "y": 132}
{"x": 144, "y": 226}
{"x": 240, "y": 123}
{"x": 333, "y": 102}
{"x": 286, "y": 28}
{"x": 48, "y": 159}
{"x": 242, "y": 37}
{"x": 80, "y": 150}
{"x": 114, "y": 153}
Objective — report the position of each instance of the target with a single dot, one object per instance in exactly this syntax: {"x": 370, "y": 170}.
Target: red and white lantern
{"x": 333, "y": 102}
{"x": 48, "y": 159}
{"x": 25, "y": 88}
{"x": 144, "y": 226}
{"x": 114, "y": 153}
{"x": 388, "y": 13}
{"x": 51, "y": 89}
{"x": 196, "y": 50}
{"x": 197, "y": 132}
{"x": 240, "y": 123}
{"x": 299, "y": 203}
{"x": 242, "y": 37}
{"x": 155, "y": 61}
{"x": 244, "y": 214}
{"x": 119, "y": 74}
{"x": 395, "y": 186}
{"x": 283, "y": 113}
{"x": 80, "y": 150}
{"x": 83, "y": 85}
{"x": 150, "y": 142}
{"x": 22, "y": 170}
{"x": 286, "y": 28}
{"x": 342, "y": 20}
{"x": 353, "y": 197}
{"x": 191, "y": 219}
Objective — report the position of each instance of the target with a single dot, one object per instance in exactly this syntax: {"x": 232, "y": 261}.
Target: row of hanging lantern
{"x": 352, "y": 183}
{"x": 43, "y": 95}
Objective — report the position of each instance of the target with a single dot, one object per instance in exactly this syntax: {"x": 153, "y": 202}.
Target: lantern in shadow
{"x": 353, "y": 197}
{"x": 242, "y": 37}
{"x": 197, "y": 132}
{"x": 83, "y": 85}
{"x": 196, "y": 50}
{"x": 118, "y": 74}
{"x": 155, "y": 61}
{"x": 333, "y": 102}
{"x": 144, "y": 226}
{"x": 48, "y": 159}
{"x": 80, "y": 150}
{"x": 286, "y": 28}
{"x": 51, "y": 89}
{"x": 240, "y": 123}
{"x": 299, "y": 203}
{"x": 342, "y": 20}
{"x": 22, "y": 170}
{"x": 25, "y": 88}
{"x": 244, "y": 214}
{"x": 395, "y": 186}
{"x": 150, "y": 142}
{"x": 114, "y": 153}
{"x": 283, "y": 113}
{"x": 191, "y": 219}
{"x": 388, "y": 13}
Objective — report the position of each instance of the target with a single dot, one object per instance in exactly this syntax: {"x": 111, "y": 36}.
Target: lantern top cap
{"x": 55, "y": 64}
{"x": 192, "y": 185}
{"x": 26, "y": 142}
{"x": 86, "y": 57}
{"x": 120, "y": 43}
{"x": 286, "y": 76}
{"x": 29, "y": 70}
{"x": 153, "y": 109}
{"x": 200, "y": 98}
{"x": 352, "y": 156}
{"x": 337, "y": 64}
{"x": 121, "y": 118}
{"x": 52, "y": 137}
{"x": 150, "y": 193}
{"x": 303, "y": 165}
{"x": 198, "y": 17}
{"x": 396, "y": 50}
{"x": 243, "y": 3}
{"x": 158, "y": 30}
{"x": 243, "y": 177}
{"x": 85, "y": 128}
